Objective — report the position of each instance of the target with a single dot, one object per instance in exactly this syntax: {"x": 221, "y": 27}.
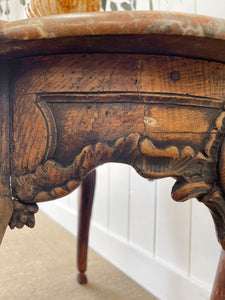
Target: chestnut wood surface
{"x": 132, "y": 92}
{"x": 6, "y": 207}
{"x": 89, "y": 109}
{"x": 94, "y": 108}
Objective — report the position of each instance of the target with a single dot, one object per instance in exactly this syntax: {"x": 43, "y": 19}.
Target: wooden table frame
{"x": 79, "y": 91}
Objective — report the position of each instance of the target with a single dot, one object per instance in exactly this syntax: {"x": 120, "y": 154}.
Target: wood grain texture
{"x": 108, "y": 74}
{"x": 6, "y": 207}
{"x": 157, "y": 111}
{"x": 96, "y": 108}
{"x": 4, "y": 128}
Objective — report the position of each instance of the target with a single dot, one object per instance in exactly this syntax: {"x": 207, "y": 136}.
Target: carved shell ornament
{"x": 38, "y": 8}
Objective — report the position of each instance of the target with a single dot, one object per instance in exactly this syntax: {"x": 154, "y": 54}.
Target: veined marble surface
{"x": 159, "y": 32}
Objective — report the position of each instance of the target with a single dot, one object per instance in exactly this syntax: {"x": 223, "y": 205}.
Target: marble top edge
{"x": 113, "y": 23}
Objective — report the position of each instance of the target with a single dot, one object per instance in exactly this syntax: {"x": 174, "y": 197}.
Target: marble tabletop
{"x": 154, "y": 32}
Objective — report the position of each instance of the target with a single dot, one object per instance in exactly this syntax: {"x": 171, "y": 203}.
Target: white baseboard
{"x": 150, "y": 272}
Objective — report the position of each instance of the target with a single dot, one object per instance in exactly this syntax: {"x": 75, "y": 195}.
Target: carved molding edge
{"x": 51, "y": 180}
{"x": 215, "y": 198}
{"x": 50, "y": 126}
{"x": 196, "y": 173}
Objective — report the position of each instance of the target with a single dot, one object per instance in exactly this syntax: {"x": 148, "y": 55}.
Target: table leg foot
{"x": 6, "y": 210}
{"x": 218, "y": 292}
{"x": 81, "y": 278}
{"x": 85, "y": 208}
{"x": 23, "y": 214}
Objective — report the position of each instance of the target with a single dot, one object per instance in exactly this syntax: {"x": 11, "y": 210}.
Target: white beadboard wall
{"x": 169, "y": 248}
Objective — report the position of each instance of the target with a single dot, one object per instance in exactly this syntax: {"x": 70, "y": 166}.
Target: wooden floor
{"x": 40, "y": 264}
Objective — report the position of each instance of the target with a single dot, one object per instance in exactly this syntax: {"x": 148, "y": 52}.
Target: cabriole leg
{"x": 218, "y": 292}
{"x": 85, "y": 207}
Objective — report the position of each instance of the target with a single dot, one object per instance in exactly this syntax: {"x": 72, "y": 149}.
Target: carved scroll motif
{"x": 51, "y": 180}
{"x": 215, "y": 198}
{"x": 198, "y": 174}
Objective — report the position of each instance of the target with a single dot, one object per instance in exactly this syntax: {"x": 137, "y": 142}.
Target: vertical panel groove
{"x": 129, "y": 205}
{"x": 190, "y": 239}
{"x": 195, "y": 11}
{"x": 155, "y": 220}
{"x": 109, "y": 198}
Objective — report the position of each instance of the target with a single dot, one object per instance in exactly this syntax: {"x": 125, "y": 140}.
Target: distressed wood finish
{"x": 6, "y": 207}
{"x": 95, "y": 108}
{"x": 142, "y": 88}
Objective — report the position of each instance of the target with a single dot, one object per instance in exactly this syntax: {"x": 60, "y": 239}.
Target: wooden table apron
{"x": 162, "y": 115}
{"x": 77, "y": 92}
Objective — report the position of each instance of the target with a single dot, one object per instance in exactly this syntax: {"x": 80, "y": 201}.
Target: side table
{"x": 142, "y": 88}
